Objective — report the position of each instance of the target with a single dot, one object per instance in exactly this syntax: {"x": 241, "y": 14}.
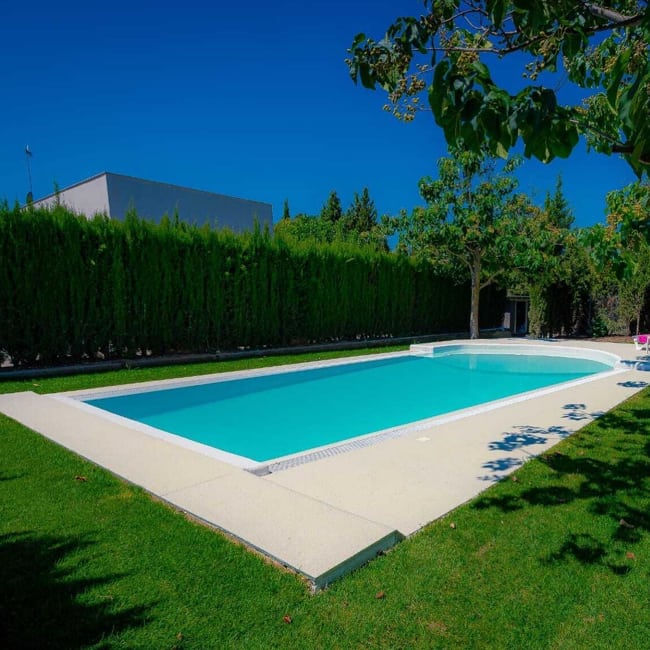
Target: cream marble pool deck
{"x": 327, "y": 517}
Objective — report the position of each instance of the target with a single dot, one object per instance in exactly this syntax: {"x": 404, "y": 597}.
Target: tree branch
{"x": 617, "y": 145}
{"x": 628, "y": 148}
{"x": 598, "y": 132}
{"x": 609, "y": 14}
{"x": 616, "y": 21}
{"x": 477, "y": 50}
{"x": 460, "y": 14}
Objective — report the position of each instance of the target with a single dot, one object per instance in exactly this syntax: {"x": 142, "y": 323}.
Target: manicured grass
{"x": 133, "y": 375}
{"x": 557, "y": 558}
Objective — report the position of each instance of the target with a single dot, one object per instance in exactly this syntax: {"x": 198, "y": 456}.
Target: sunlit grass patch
{"x": 555, "y": 556}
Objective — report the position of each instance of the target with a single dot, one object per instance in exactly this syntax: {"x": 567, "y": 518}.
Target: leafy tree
{"x": 634, "y": 287}
{"x": 286, "y": 214}
{"x": 473, "y": 225}
{"x": 332, "y": 211}
{"x": 360, "y": 223}
{"x": 448, "y": 53}
{"x": 557, "y": 207}
{"x": 306, "y": 228}
{"x": 628, "y": 210}
{"x": 561, "y": 288}
{"x": 357, "y": 226}
{"x": 362, "y": 214}
{"x": 625, "y": 243}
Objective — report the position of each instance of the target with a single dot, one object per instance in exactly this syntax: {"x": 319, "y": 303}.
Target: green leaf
{"x": 548, "y": 100}
{"x": 472, "y": 106}
{"x": 559, "y": 147}
{"x": 618, "y": 70}
{"x": 496, "y": 11}
{"x": 572, "y": 44}
{"x": 368, "y": 77}
{"x": 438, "y": 90}
{"x": 481, "y": 70}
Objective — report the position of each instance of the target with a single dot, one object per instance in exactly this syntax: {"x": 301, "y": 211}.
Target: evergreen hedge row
{"x": 70, "y": 287}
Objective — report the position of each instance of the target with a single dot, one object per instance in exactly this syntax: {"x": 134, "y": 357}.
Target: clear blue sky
{"x": 247, "y": 99}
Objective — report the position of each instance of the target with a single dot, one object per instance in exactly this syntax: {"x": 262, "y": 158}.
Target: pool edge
{"x": 19, "y": 407}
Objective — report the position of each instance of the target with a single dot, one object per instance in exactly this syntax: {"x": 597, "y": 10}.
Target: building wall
{"x": 152, "y": 200}
{"x": 114, "y": 194}
{"x": 88, "y": 197}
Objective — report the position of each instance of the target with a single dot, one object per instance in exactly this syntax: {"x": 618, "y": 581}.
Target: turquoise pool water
{"x": 266, "y": 417}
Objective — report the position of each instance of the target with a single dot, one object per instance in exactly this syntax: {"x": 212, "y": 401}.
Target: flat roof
{"x": 152, "y": 182}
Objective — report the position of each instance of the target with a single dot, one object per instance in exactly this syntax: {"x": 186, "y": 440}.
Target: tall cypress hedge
{"x": 70, "y": 287}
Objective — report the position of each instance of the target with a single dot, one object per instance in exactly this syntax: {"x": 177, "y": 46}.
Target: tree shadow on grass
{"x": 587, "y": 549}
{"x": 582, "y": 546}
{"x": 606, "y": 485}
{"x": 9, "y": 477}
{"x": 607, "y": 470}
{"x": 39, "y": 606}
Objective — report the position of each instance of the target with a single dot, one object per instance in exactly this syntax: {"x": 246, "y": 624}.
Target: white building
{"x": 115, "y": 194}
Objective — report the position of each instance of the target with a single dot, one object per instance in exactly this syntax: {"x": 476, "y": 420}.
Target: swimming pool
{"x": 265, "y": 416}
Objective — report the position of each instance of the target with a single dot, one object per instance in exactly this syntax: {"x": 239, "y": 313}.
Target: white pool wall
{"x": 536, "y": 349}
{"x": 228, "y": 375}
{"x": 77, "y": 398}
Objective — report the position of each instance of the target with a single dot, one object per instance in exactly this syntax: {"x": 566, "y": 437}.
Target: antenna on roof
{"x": 28, "y": 157}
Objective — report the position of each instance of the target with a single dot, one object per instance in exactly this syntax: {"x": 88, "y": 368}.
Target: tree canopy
{"x": 332, "y": 210}
{"x": 358, "y": 224}
{"x": 557, "y": 207}
{"x": 474, "y": 225}
{"x": 451, "y": 51}
{"x": 628, "y": 235}
{"x": 628, "y": 210}
{"x": 286, "y": 214}
{"x": 361, "y": 216}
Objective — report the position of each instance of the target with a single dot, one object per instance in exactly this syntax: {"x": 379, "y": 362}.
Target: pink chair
{"x": 642, "y": 342}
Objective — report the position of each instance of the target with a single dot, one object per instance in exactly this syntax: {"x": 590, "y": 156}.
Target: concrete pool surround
{"x": 329, "y": 513}
{"x": 87, "y": 400}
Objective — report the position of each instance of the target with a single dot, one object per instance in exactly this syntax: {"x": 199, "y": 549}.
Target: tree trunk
{"x": 475, "y": 274}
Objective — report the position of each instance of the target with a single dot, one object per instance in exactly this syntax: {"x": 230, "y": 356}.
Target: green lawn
{"x": 558, "y": 557}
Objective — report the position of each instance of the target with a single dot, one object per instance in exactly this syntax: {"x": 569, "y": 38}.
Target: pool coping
{"x": 79, "y": 399}
{"x": 328, "y": 517}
